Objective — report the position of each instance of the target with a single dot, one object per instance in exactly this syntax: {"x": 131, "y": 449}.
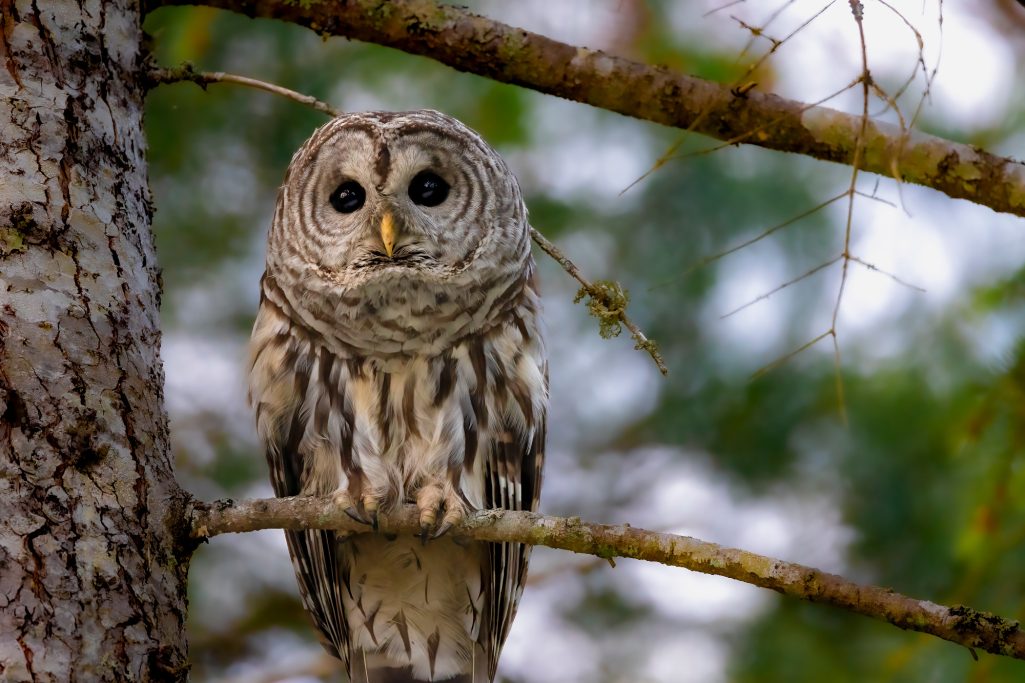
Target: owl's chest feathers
{"x": 399, "y": 312}
{"x": 395, "y": 423}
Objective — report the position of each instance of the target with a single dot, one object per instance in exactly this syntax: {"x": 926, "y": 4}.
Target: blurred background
{"x": 921, "y": 487}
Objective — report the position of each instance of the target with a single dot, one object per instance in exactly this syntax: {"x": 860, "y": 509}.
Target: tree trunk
{"x": 91, "y": 585}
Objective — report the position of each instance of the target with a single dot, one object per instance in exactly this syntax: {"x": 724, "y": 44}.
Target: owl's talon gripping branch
{"x": 355, "y": 514}
{"x": 342, "y": 500}
{"x": 431, "y": 500}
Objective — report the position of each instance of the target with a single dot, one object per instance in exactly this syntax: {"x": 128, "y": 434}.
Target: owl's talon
{"x": 453, "y": 515}
{"x": 375, "y": 520}
{"x": 355, "y": 514}
{"x": 425, "y": 532}
{"x": 342, "y": 500}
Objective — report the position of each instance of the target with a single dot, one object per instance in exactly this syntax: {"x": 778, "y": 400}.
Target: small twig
{"x": 877, "y": 269}
{"x": 787, "y": 356}
{"x": 963, "y": 625}
{"x": 762, "y": 235}
{"x": 186, "y": 72}
{"x": 607, "y": 302}
{"x": 793, "y": 281}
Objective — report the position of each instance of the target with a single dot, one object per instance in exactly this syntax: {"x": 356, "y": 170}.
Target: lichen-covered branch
{"x": 475, "y": 44}
{"x": 962, "y": 625}
{"x": 606, "y": 300}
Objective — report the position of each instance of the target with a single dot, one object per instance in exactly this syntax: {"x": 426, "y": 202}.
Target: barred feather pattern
{"x": 416, "y": 376}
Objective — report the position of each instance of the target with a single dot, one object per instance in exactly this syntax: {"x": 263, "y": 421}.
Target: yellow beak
{"x": 388, "y": 233}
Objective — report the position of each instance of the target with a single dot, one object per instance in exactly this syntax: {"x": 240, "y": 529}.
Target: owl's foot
{"x": 434, "y": 499}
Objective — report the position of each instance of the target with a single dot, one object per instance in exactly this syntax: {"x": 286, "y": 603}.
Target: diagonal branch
{"x": 606, "y": 301}
{"x": 958, "y": 624}
{"x": 468, "y": 42}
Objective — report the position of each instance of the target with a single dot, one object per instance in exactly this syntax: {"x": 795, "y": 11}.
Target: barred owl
{"x": 396, "y": 358}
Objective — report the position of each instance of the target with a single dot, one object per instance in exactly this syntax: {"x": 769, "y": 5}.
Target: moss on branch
{"x": 472, "y": 43}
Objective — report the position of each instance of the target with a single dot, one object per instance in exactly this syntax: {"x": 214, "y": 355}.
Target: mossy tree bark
{"x": 92, "y": 586}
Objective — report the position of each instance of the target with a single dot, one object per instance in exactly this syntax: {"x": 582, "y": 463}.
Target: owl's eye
{"x": 348, "y": 197}
{"x": 428, "y": 189}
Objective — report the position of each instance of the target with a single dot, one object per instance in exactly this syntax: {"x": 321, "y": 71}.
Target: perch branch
{"x": 475, "y": 44}
{"x": 962, "y": 625}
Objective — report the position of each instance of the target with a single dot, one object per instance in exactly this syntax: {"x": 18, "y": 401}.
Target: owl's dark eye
{"x": 428, "y": 189}
{"x": 348, "y": 197}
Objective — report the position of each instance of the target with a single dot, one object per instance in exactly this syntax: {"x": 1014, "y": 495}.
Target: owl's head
{"x": 398, "y": 195}
{"x": 397, "y": 233}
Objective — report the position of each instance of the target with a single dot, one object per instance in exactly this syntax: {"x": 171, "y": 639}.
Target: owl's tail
{"x": 404, "y": 674}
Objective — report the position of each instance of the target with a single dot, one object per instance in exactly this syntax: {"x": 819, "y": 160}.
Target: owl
{"x": 396, "y": 359}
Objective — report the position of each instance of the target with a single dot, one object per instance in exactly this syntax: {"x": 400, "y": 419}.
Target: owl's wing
{"x": 282, "y": 372}
{"x": 512, "y": 480}
{"x": 314, "y": 553}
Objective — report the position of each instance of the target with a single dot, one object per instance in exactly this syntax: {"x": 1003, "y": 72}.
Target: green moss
{"x": 13, "y": 237}
{"x": 607, "y": 302}
{"x": 11, "y": 241}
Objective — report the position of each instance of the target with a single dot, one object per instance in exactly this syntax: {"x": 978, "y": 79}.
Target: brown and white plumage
{"x": 396, "y": 358}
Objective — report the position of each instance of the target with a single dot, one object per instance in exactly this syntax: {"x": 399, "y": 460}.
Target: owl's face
{"x": 397, "y": 234}
{"x": 414, "y": 196}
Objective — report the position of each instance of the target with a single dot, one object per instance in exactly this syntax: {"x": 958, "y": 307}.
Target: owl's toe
{"x": 371, "y": 504}
{"x": 440, "y": 509}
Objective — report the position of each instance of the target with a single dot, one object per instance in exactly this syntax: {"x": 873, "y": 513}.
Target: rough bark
{"x": 469, "y": 42}
{"x": 958, "y": 624}
{"x": 91, "y": 579}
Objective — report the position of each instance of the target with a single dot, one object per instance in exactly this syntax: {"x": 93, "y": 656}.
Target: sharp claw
{"x": 445, "y": 526}
{"x": 356, "y": 515}
{"x": 425, "y": 533}
{"x": 375, "y": 521}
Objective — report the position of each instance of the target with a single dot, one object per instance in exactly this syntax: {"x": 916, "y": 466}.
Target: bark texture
{"x": 91, "y": 581}
{"x": 469, "y": 42}
{"x": 958, "y": 624}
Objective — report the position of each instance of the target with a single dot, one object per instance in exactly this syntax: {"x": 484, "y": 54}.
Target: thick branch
{"x": 958, "y": 624}
{"x": 475, "y": 44}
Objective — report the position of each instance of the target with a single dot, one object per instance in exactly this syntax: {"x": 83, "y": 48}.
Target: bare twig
{"x": 465, "y": 41}
{"x": 186, "y": 72}
{"x": 957, "y": 624}
{"x": 765, "y": 233}
{"x": 607, "y": 302}
{"x": 793, "y": 281}
{"x": 790, "y": 354}
{"x": 877, "y": 269}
